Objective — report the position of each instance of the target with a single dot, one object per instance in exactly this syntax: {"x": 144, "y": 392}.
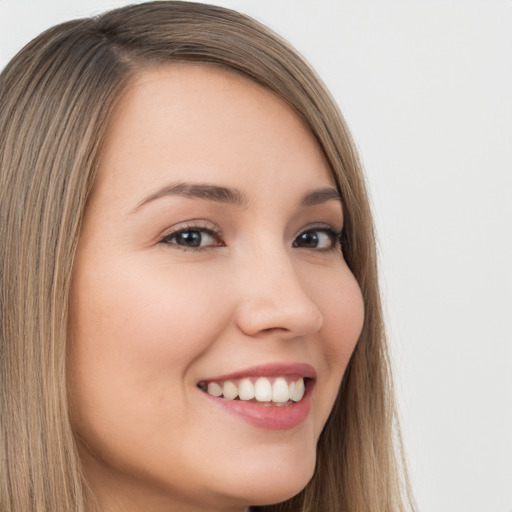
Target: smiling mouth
{"x": 279, "y": 391}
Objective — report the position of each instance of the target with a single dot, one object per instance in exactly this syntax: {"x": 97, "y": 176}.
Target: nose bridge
{"x": 273, "y": 297}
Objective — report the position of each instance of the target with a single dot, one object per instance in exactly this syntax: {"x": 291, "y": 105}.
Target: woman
{"x": 190, "y": 310}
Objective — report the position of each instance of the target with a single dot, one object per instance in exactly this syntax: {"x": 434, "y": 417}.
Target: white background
{"x": 426, "y": 87}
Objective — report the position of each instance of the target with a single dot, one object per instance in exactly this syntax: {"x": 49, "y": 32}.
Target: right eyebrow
{"x": 200, "y": 191}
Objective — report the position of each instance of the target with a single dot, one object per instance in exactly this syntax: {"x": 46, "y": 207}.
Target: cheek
{"x": 341, "y": 303}
{"x": 343, "y": 314}
{"x": 146, "y": 314}
{"x": 133, "y": 336}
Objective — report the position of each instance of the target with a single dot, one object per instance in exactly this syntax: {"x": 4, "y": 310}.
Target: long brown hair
{"x": 56, "y": 97}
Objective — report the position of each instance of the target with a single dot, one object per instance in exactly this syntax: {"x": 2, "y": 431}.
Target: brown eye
{"x": 322, "y": 239}
{"x": 189, "y": 238}
{"x": 192, "y": 238}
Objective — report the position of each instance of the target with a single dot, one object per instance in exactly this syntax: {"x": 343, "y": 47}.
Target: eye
{"x": 193, "y": 237}
{"x": 320, "y": 238}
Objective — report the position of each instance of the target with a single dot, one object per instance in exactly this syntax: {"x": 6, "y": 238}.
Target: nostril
{"x": 290, "y": 317}
{"x": 274, "y": 329}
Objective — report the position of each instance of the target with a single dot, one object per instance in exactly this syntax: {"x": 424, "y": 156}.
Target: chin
{"x": 276, "y": 492}
{"x": 266, "y": 485}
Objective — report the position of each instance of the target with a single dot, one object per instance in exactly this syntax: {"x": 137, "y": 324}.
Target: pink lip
{"x": 269, "y": 370}
{"x": 269, "y": 417}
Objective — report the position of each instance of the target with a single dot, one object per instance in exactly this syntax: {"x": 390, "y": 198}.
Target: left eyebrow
{"x": 320, "y": 196}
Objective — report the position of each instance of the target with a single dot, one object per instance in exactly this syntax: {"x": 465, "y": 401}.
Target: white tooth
{"x": 214, "y": 389}
{"x": 246, "y": 390}
{"x": 298, "y": 392}
{"x": 229, "y": 390}
{"x": 263, "y": 390}
{"x": 291, "y": 388}
{"x": 280, "y": 392}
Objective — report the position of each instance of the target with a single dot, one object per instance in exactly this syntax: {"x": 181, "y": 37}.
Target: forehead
{"x": 199, "y": 118}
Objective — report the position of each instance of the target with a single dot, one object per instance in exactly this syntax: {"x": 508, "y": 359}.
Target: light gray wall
{"x": 426, "y": 87}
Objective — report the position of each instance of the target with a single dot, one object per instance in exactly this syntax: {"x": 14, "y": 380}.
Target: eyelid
{"x": 320, "y": 226}
{"x": 192, "y": 225}
{"x": 336, "y": 233}
{"x": 216, "y": 233}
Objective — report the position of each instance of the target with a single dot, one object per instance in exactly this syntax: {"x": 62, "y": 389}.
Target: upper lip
{"x": 269, "y": 370}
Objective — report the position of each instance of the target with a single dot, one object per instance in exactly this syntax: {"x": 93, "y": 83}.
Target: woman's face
{"x": 208, "y": 263}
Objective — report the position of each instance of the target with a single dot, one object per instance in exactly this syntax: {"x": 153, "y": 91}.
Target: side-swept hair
{"x": 56, "y": 98}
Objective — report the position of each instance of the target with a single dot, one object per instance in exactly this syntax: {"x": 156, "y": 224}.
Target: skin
{"x": 151, "y": 318}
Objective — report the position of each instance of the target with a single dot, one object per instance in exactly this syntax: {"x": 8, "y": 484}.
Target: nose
{"x": 274, "y": 301}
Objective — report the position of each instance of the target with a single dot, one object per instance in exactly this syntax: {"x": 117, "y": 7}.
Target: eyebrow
{"x": 231, "y": 195}
{"x": 320, "y": 196}
{"x": 198, "y": 191}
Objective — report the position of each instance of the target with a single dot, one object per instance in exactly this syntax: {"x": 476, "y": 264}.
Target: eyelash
{"x": 334, "y": 235}
{"x": 193, "y": 227}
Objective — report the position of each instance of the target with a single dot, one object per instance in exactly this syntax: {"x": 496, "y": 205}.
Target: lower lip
{"x": 267, "y": 417}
